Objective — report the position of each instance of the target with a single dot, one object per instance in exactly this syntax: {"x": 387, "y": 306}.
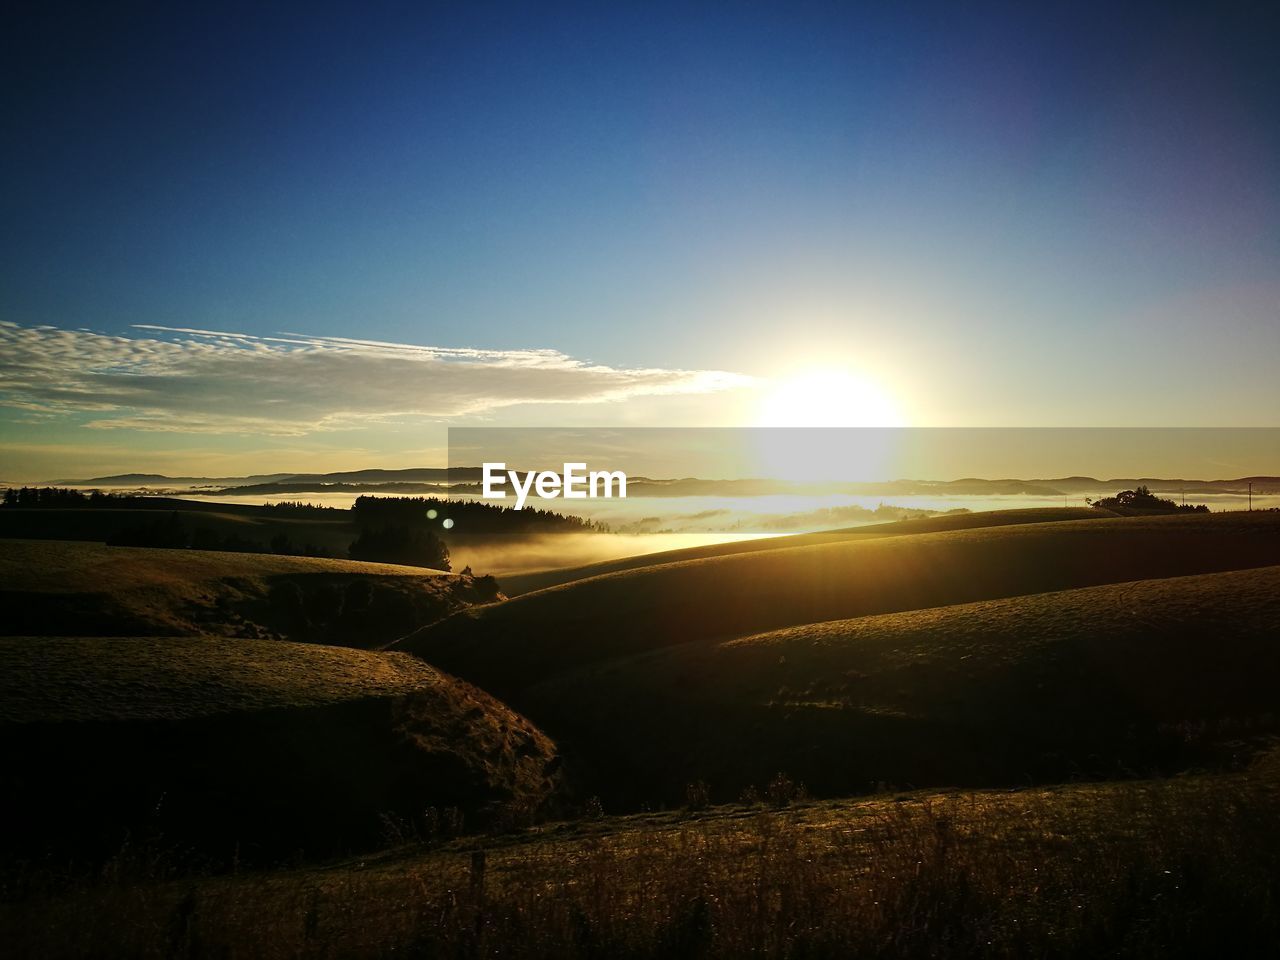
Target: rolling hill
{"x": 329, "y": 531}
{"x": 517, "y": 584}
{"x": 88, "y": 589}
{"x": 252, "y": 748}
{"x": 509, "y": 646}
{"x": 1097, "y": 682}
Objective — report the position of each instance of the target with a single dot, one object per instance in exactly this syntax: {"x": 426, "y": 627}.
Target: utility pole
{"x": 1251, "y": 496}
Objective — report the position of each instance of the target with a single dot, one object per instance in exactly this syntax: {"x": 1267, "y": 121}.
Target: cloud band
{"x": 191, "y": 380}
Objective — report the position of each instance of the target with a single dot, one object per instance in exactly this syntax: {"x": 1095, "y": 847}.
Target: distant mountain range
{"x": 418, "y": 475}
{"x": 437, "y": 480}
{"x": 161, "y": 480}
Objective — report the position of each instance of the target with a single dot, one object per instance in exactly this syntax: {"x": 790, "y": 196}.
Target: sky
{"x": 269, "y": 237}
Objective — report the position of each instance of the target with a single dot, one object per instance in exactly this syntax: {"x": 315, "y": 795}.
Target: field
{"x": 1170, "y": 868}
{"x": 1039, "y": 734}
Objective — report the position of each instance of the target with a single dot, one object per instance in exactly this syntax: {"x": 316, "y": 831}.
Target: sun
{"x": 828, "y": 397}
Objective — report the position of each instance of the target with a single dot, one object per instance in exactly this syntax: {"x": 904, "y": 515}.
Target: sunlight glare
{"x": 828, "y": 398}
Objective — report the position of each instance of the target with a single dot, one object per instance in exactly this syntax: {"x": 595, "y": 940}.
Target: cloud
{"x": 190, "y": 380}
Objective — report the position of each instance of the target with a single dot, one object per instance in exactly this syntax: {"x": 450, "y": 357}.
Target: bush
{"x": 697, "y": 796}
{"x": 782, "y": 791}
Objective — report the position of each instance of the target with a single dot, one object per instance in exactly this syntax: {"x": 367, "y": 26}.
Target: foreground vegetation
{"x": 1177, "y": 868}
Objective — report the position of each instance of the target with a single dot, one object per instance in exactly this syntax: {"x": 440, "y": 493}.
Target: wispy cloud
{"x": 192, "y": 380}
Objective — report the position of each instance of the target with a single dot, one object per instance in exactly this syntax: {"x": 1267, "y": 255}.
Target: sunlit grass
{"x": 1158, "y": 868}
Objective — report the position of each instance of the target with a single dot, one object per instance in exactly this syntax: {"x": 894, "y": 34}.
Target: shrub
{"x": 782, "y": 791}
{"x": 697, "y": 795}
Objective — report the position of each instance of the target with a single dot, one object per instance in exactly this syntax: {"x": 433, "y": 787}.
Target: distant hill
{"x": 412, "y": 475}
{"x": 282, "y": 488}
{"x": 1261, "y": 485}
{"x": 158, "y": 480}
{"x": 760, "y": 487}
{"x": 467, "y": 479}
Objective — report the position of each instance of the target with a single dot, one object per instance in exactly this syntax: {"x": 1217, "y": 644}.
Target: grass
{"x": 89, "y": 589}
{"x": 507, "y": 647}
{"x": 1113, "y": 680}
{"x": 78, "y": 679}
{"x": 78, "y": 567}
{"x": 1173, "y": 868}
{"x": 332, "y": 532}
{"x": 515, "y": 585}
{"x": 251, "y": 748}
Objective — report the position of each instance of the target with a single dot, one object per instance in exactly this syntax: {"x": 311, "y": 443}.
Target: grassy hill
{"x": 508, "y": 647}
{"x": 969, "y": 652}
{"x": 252, "y": 748}
{"x": 330, "y": 531}
{"x": 1105, "y": 681}
{"x": 88, "y": 589}
{"x": 514, "y": 585}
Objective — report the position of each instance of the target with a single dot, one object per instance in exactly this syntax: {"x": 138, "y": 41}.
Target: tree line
{"x": 63, "y": 497}
{"x": 1142, "y": 499}
{"x": 402, "y": 530}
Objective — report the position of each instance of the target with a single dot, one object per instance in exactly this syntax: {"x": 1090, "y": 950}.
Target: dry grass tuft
{"x": 1153, "y": 869}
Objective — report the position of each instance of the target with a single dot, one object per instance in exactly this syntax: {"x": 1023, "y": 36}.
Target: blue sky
{"x": 996, "y": 214}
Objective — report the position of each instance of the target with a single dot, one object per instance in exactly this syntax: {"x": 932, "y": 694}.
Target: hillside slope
{"x": 1099, "y": 681}
{"x": 515, "y": 585}
{"x": 87, "y": 589}
{"x": 331, "y": 531}
{"x": 260, "y": 747}
{"x": 506, "y": 647}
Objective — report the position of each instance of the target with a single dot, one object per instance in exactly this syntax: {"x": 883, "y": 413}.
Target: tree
{"x": 412, "y": 546}
{"x": 1142, "y": 499}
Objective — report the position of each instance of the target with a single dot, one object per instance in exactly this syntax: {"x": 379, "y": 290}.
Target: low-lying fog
{"x": 651, "y": 524}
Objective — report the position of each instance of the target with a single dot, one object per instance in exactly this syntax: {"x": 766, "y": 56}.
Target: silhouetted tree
{"x": 1143, "y": 499}
{"x": 412, "y": 546}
